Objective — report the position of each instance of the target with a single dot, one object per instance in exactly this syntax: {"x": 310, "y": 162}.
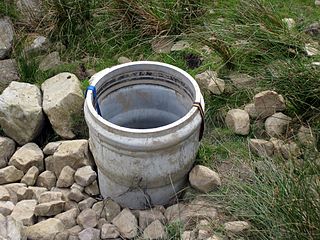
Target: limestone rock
{"x": 50, "y": 196}
{"x": 84, "y": 176}
{"x": 21, "y": 116}
{"x": 30, "y": 10}
{"x": 76, "y": 195}
{"x": 238, "y": 121}
{"x": 251, "y": 110}
{"x": 89, "y": 234}
{"x": 25, "y": 193}
{"x": 146, "y": 217}
{"x": 66, "y": 177}
{"x": 162, "y": 44}
{"x": 277, "y": 124}
{"x": 24, "y": 212}
{"x": 261, "y": 147}
{"x": 155, "y": 231}
{"x": 45, "y": 229}
{"x": 6, "y": 39}
{"x": 180, "y": 45}
{"x": 61, "y": 103}
{"x": 8, "y": 72}
{"x": 6, "y": 207}
{"x": 86, "y": 203}
{"x": 92, "y": 189}
{"x": 51, "y": 147}
{"x": 50, "y": 61}
{"x": 31, "y": 176}
{"x": 37, "y": 191}
{"x": 69, "y": 217}
{"x": 73, "y": 153}
{"x": 11, "y": 229}
{"x": 209, "y": 80}
{"x": 13, "y": 189}
{"x": 126, "y": 223}
{"x": 267, "y": 103}
{"x": 204, "y": 179}
{"x": 122, "y": 60}
{"x": 38, "y": 45}
{"x": 27, "y": 156}
{"x": 47, "y": 179}
{"x": 109, "y": 231}
{"x": 48, "y": 209}
{"x": 290, "y": 150}
{"x": 306, "y": 136}
{"x": 236, "y": 226}
{"x": 7, "y": 148}
{"x": 4, "y": 194}
{"x": 10, "y": 174}
{"x": 241, "y": 80}
{"x": 87, "y": 218}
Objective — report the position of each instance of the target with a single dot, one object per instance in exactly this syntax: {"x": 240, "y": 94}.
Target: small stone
{"x": 241, "y": 80}
{"x": 203, "y": 234}
{"x": 51, "y": 147}
{"x": 24, "y": 212}
{"x": 122, "y": 60}
{"x": 209, "y": 80}
{"x": 236, "y": 226}
{"x": 46, "y": 197}
{"x": 46, "y": 229}
{"x": 39, "y": 44}
{"x": 9, "y": 72}
{"x": 27, "y": 156}
{"x": 4, "y": 194}
{"x": 290, "y": 23}
{"x": 89, "y": 234}
{"x": 66, "y": 177}
{"x": 290, "y": 150}
{"x": 48, "y": 209}
{"x": 10, "y": 174}
{"x": 85, "y": 176}
{"x": 162, "y": 44}
{"x": 47, "y": 179}
{"x": 146, "y": 217}
{"x": 251, "y": 110}
{"x": 306, "y": 136}
{"x": 155, "y": 231}
{"x": 126, "y": 223}
{"x": 6, "y": 207}
{"x": 6, "y": 40}
{"x": 111, "y": 209}
{"x": 87, "y": 218}
{"x": 238, "y": 121}
{"x": 267, "y": 103}
{"x": 76, "y": 195}
{"x": 31, "y": 176}
{"x": 277, "y": 124}
{"x": 92, "y": 189}
{"x": 109, "y": 231}
{"x": 204, "y": 179}
{"x": 86, "y": 203}
{"x": 311, "y": 49}
{"x": 180, "y": 45}
{"x": 50, "y": 61}
{"x": 262, "y": 148}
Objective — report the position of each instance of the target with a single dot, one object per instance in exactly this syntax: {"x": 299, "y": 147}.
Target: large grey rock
{"x": 62, "y": 98}
{"x": 31, "y": 11}
{"x": 87, "y": 218}
{"x": 50, "y": 61}
{"x": 6, "y": 207}
{"x": 69, "y": 217}
{"x": 48, "y": 209}
{"x": 126, "y": 223}
{"x": 10, "y": 174}
{"x": 66, "y": 177}
{"x": 155, "y": 231}
{"x": 10, "y": 229}
{"x": 24, "y": 212}
{"x": 204, "y": 179}
{"x": 209, "y": 80}
{"x": 46, "y": 229}
{"x": 21, "y": 116}
{"x": 267, "y": 103}
{"x": 8, "y": 73}
{"x": 146, "y": 217}
{"x": 277, "y": 124}
{"x": 6, "y": 37}
{"x": 47, "y": 179}
{"x": 238, "y": 121}
{"x": 89, "y": 234}
{"x": 31, "y": 176}
{"x": 84, "y": 176}
{"x": 7, "y": 148}
{"x": 74, "y": 153}
{"x": 27, "y": 156}
{"x": 261, "y": 147}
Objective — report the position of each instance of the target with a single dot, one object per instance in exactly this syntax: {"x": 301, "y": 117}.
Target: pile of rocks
{"x": 266, "y": 111}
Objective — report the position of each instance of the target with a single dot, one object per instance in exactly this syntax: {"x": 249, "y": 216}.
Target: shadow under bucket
{"x": 145, "y": 120}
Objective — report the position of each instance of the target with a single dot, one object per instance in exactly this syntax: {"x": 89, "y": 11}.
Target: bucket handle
{"x": 94, "y": 94}
{"x": 199, "y": 107}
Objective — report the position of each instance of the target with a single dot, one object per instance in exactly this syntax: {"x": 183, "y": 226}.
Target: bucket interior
{"x": 141, "y": 99}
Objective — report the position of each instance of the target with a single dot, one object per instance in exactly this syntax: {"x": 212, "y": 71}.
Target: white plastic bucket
{"x": 145, "y": 141}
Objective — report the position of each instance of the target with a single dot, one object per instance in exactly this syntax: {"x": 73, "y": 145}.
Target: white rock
{"x": 126, "y": 223}
{"x": 4, "y": 194}
{"x": 6, "y": 207}
{"x": 61, "y": 103}
{"x": 27, "y": 156}
{"x": 84, "y": 176}
{"x": 312, "y": 49}
{"x": 69, "y": 217}
{"x": 89, "y": 234}
{"x": 10, "y": 174}
{"x": 66, "y": 177}
{"x": 11, "y": 229}
{"x": 46, "y": 229}
{"x": 31, "y": 176}
{"x": 6, "y": 39}
{"x": 155, "y": 231}
{"x": 261, "y": 147}
{"x": 8, "y": 72}
{"x": 238, "y": 121}
{"x": 21, "y": 116}
{"x": 7, "y": 148}
{"x": 209, "y": 79}
{"x": 122, "y": 60}
{"x": 306, "y": 136}
{"x": 204, "y": 179}
{"x": 180, "y": 45}
{"x": 48, "y": 209}
{"x": 50, "y": 61}
{"x": 24, "y": 212}
{"x": 277, "y": 124}
{"x": 290, "y": 23}
{"x": 268, "y": 102}
{"x": 251, "y": 110}
{"x": 87, "y": 218}
{"x": 47, "y": 179}
{"x": 146, "y": 217}
{"x": 290, "y": 150}
{"x": 236, "y": 226}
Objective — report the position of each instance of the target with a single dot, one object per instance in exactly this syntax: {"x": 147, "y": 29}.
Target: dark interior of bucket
{"x": 144, "y": 106}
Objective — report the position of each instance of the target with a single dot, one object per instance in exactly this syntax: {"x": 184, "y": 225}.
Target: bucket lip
{"x": 99, "y": 75}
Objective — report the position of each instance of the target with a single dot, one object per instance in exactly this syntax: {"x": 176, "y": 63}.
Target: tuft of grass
{"x": 174, "y": 230}
{"x": 79, "y": 126}
{"x": 7, "y": 9}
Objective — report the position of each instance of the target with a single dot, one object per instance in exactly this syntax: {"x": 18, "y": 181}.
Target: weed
{"x": 174, "y": 230}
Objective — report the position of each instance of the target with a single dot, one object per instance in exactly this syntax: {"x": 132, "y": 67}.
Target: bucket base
{"x": 137, "y": 198}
